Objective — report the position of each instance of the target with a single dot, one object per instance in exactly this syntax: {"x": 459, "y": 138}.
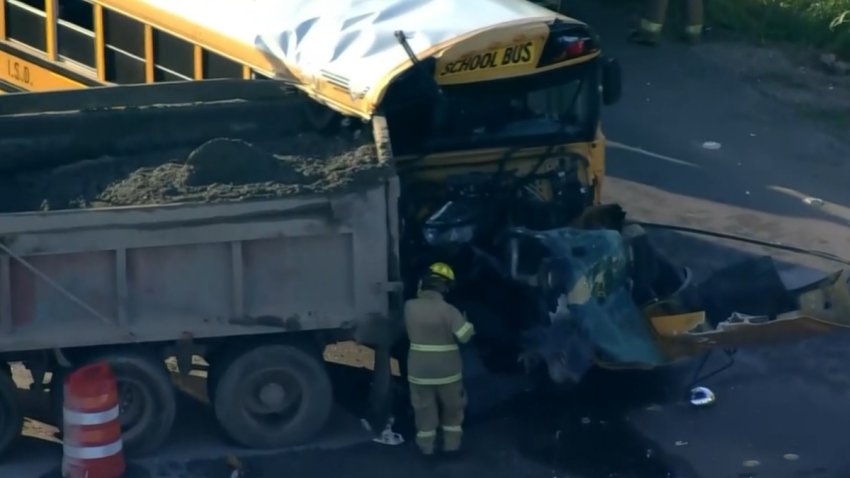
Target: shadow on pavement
{"x": 675, "y": 99}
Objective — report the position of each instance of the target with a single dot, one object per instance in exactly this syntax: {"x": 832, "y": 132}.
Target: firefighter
{"x": 649, "y": 31}
{"x": 434, "y": 373}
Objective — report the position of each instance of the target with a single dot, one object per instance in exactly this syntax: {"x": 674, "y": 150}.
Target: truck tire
{"x": 11, "y": 418}
{"x": 273, "y": 396}
{"x": 146, "y": 400}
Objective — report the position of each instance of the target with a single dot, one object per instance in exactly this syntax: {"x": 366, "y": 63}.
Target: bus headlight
{"x": 442, "y": 236}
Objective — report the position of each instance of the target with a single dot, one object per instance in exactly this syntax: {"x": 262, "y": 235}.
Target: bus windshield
{"x": 554, "y": 107}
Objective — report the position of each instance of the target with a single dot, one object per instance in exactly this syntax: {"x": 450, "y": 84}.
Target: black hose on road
{"x": 734, "y": 237}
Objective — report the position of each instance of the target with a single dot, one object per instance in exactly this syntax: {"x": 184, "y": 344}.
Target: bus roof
{"x": 349, "y": 45}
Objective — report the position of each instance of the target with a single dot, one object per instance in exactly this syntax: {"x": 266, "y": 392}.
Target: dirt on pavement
{"x": 791, "y": 75}
{"x": 219, "y": 170}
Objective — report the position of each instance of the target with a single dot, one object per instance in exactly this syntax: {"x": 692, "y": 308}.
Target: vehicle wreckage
{"x": 613, "y": 301}
{"x": 274, "y": 226}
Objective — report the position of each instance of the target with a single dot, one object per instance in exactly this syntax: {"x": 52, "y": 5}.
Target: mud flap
{"x": 380, "y": 419}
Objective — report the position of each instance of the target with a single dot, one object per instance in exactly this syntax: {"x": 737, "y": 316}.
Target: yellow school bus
{"x": 499, "y": 100}
{"x": 489, "y": 58}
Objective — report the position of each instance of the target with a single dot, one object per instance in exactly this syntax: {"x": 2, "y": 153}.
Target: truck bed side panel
{"x": 155, "y": 273}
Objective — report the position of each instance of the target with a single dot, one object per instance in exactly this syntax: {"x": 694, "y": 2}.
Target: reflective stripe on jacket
{"x": 434, "y": 328}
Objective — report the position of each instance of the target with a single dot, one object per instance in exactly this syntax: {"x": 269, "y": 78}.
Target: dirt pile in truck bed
{"x": 218, "y": 170}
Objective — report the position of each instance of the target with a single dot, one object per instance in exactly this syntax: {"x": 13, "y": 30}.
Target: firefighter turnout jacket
{"x": 434, "y": 328}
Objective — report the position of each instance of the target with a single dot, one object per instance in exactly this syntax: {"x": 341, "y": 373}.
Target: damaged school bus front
{"x": 615, "y": 302}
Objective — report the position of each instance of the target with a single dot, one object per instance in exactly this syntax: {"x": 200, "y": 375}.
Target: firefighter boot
{"x": 649, "y": 30}
{"x": 694, "y": 21}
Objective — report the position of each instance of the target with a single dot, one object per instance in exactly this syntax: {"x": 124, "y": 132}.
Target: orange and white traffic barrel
{"x": 92, "y": 445}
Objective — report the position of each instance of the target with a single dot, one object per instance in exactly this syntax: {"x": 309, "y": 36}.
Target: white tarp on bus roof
{"x": 350, "y": 41}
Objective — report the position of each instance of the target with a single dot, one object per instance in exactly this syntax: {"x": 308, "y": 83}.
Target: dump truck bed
{"x": 154, "y": 273}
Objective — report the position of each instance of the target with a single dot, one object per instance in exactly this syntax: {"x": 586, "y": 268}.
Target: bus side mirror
{"x": 612, "y": 81}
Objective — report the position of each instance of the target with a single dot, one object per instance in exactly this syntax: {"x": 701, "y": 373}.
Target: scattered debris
{"x": 387, "y": 436}
{"x": 751, "y": 463}
{"x": 681, "y": 443}
{"x": 737, "y": 318}
{"x": 238, "y": 467}
{"x": 702, "y": 397}
{"x": 791, "y": 456}
{"x": 585, "y": 421}
{"x": 711, "y": 145}
{"x": 813, "y": 201}
{"x": 833, "y": 65}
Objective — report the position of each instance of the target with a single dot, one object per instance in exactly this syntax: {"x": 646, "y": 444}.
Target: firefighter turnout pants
{"x": 438, "y": 407}
{"x": 656, "y": 13}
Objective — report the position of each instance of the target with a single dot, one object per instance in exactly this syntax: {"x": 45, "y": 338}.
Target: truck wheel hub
{"x": 273, "y": 397}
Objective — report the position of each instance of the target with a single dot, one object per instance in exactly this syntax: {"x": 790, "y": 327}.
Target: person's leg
{"x": 453, "y": 401}
{"x": 423, "y": 399}
{"x": 649, "y": 31}
{"x": 694, "y": 20}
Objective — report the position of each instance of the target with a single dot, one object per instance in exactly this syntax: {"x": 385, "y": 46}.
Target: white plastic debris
{"x": 702, "y": 397}
{"x": 813, "y": 201}
{"x": 585, "y": 421}
{"x": 791, "y": 456}
{"x": 751, "y": 463}
{"x": 681, "y": 443}
{"x": 711, "y": 145}
{"x": 387, "y": 436}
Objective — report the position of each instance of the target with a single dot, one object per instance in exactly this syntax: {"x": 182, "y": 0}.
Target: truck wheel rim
{"x": 131, "y": 403}
{"x": 271, "y": 395}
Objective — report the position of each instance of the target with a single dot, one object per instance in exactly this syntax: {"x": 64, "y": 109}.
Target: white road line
{"x": 633, "y": 149}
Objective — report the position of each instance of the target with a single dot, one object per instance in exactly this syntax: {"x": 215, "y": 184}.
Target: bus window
{"x": 125, "y": 48}
{"x": 217, "y": 66}
{"x": 558, "y": 105}
{"x": 75, "y": 32}
{"x": 175, "y": 58}
{"x": 25, "y": 22}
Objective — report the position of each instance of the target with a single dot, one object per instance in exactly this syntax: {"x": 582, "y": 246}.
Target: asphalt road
{"x": 784, "y": 407}
{"x": 781, "y": 410}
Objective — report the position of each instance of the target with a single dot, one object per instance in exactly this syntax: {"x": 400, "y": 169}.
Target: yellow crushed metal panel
{"x": 673, "y": 325}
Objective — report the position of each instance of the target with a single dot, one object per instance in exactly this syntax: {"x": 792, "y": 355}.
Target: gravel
{"x": 219, "y": 170}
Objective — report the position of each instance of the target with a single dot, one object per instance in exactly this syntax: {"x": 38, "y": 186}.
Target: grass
{"x": 823, "y": 24}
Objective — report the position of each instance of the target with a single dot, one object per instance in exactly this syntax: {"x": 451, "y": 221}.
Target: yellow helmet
{"x": 442, "y": 270}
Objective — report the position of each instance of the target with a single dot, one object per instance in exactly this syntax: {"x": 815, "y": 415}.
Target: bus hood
{"x": 344, "y": 53}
